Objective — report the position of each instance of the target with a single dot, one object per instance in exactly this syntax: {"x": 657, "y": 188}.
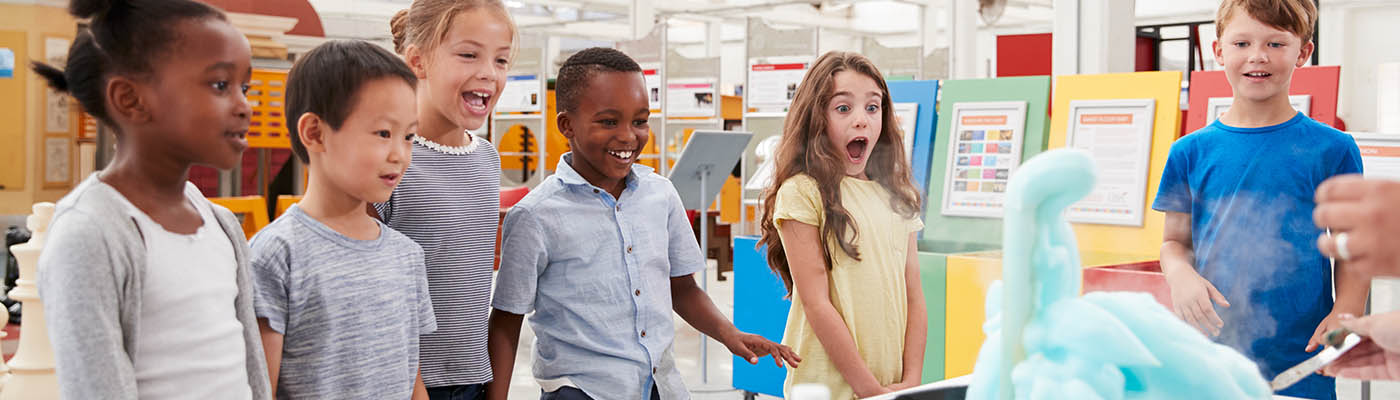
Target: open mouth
{"x": 1258, "y": 75}
{"x": 389, "y": 179}
{"x": 476, "y": 101}
{"x": 856, "y": 148}
{"x": 623, "y": 156}
{"x": 239, "y": 138}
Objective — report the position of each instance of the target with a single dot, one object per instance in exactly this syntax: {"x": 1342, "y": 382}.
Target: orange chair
{"x": 509, "y": 197}
{"x": 284, "y": 202}
{"x": 252, "y": 209}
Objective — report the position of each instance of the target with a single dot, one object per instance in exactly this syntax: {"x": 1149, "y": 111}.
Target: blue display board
{"x": 763, "y": 312}
{"x": 925, "y": 93}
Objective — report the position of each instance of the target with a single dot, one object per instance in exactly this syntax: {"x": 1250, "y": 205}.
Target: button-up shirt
{"x": 596, "y": 273}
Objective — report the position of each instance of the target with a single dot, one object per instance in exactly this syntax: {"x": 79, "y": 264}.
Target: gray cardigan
{"x": 90, "y": 276}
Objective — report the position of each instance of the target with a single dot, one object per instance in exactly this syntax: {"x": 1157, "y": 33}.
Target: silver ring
{"x": 1341, "y": 241}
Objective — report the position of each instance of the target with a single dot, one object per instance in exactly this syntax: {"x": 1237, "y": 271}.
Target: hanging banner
{"x": 690, "y": 97}
{"x": 522, "y": 93}
{"x": 773, "y": 82}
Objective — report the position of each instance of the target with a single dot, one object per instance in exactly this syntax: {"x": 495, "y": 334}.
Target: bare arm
{"x": 1176, "y": 244}
{"x": 272, "y": 348}
{"x": 420, "y": 392}
{"x": 696, "y": 308}
{"x": 916, "y": 333}
{"x": 1191, "y": 293}
{"x": 503, "y": 338}
{"x": 802, "y": 243}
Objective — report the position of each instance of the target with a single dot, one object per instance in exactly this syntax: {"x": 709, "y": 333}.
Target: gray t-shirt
{"x": 350, "y": 311}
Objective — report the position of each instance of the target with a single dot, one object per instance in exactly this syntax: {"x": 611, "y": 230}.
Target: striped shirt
{"x": 450, "y": 205}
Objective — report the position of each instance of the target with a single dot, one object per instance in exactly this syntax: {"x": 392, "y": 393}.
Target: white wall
{"x": 1359, "y": 39}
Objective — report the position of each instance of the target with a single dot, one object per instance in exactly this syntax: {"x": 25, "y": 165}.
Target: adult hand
{"x": 1377, "y": 357}
{"x": 1365, "y": 211}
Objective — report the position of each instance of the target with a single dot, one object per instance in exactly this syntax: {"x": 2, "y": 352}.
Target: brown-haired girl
{"x": 840, "y": 222}
{"x": 449, "y": 199}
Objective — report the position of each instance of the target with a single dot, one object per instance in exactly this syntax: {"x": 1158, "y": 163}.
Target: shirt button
{"x": 637, "y": 293}
{"x": 595, "y": 190}
{"x": 653, "y": 370}
{"x": 629, "y": 249}
{"x": 619, "y": 207}
{"x": 644, "y": 333}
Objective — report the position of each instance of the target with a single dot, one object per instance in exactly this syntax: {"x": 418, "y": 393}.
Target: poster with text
{"x": 907, "y": 114}
{"x": 653, "y": 80}
{"x": 693, "y": 97}
{"x": 1217, "y": 106}
{"x": 984, "y": 149}
{"x": 522, "y": 93}
{"x": 1380, "y": 155}
{"x": 773, "y": 82}
{"x": 1118, "y": 135}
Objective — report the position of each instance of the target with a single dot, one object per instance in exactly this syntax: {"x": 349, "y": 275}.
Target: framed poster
{"x": 907, "y": 115}
{"x": 57, "y": 111}
{"x": 651, "y": 73}
{"x": 522, "y": 93}
{"x": 984, "y": 149}
{"x": 58, "y": 170}
{"x": 1217, "y": 106}
{"x": 773, "y": 82}
{"x": 1118, "y": 135}
{"x": 1380, "y": 154}
{"x": 694, "y": 97}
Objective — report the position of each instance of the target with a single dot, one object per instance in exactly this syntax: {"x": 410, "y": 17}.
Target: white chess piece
{"x": 32, "y": 368}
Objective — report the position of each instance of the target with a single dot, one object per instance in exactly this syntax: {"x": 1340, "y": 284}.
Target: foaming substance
{"x": 1045, "y": 341}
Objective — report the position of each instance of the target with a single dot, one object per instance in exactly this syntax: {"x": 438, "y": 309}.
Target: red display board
{"x": 1318, "y": 82}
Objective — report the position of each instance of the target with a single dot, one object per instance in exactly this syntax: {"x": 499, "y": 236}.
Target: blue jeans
{"x": 573, "y": 393}
{"x": 459, "y": 392}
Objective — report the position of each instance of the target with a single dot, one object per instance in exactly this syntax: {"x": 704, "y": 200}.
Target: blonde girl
{"x": 449, "y": 198}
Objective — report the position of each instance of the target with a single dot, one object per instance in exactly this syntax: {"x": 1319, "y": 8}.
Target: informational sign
{"x": 1218, "y": 105}
{"x": 773, "y": 82}
{"x": 694, "y": 97}
{"x": 653, "y": 81}
{"x": 1380, "y": 155}
{"x": 1118, "y": 135}
{"x": 983, "y": 153}
{"x": 907, "y": 114}
{"x": 522, "y": 93}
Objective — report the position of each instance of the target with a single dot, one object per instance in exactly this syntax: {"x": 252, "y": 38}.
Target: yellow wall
{"x": 36, "y": 22}
{"x": 1165, "y": 88}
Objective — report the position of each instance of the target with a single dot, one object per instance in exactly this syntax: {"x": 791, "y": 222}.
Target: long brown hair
{"x": 805, "y": 149}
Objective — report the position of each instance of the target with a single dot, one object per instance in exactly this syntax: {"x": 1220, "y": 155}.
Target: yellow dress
{"x": 869, "y": 294}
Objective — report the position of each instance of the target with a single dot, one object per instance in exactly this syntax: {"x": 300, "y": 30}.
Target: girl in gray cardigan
{"x": 145, "y": 282}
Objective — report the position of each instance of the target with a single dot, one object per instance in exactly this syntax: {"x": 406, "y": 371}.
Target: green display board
{"x": 1035, "y": 92}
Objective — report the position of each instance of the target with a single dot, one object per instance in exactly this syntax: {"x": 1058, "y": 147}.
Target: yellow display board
{"x": 267, "y": 94}
{"x": 969, "y": 276}
{"x": 1165, "y": 88}
{"x": 12, "y": 111}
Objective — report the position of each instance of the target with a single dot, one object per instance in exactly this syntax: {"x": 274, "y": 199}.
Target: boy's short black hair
{"x": 582, "y": 66}
{"x": 326, "y": 81}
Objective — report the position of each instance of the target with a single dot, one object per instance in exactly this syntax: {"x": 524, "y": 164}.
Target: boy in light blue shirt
{"x": 601, "y": 252}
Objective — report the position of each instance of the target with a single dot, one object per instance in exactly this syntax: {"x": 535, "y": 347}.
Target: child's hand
{"x": 751, "y": 347}
{"x": 1191, "y": 297}
{"x": 1378, "y": 355}
{"x": 1319, "y": 337}
{"x": 901, "y": 386}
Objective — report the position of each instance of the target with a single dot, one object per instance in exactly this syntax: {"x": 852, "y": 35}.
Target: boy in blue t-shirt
{"x": 1238, "y": 195}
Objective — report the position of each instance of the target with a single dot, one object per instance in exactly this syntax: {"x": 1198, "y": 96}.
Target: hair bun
{"x": 398, "y": 26}
{"x": 91, "y": 8}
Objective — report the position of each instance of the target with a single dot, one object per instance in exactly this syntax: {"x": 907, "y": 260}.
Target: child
{"x": 1238, "y": 195}
{"x": 341, "y": 298}
{"x": 145, "y": 282}
{"x": 449, "y": 201}
{"x": 601, "y": 252}
{"x": 840, "y": 222}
